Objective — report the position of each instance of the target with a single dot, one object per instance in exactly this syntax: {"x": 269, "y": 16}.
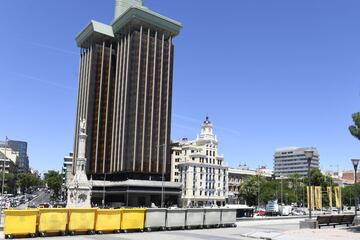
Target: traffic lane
{"x": 41, "y": 198}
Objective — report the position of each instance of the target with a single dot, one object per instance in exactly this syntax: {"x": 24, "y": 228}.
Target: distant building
{"x": 10, "y": 166}
{"x": 23, "y": 159}
{"x": 67, "y": 169}
{"x": 198, "y": 166}
{"x": 237, "y": 176}
{"x": 265, "y": 172}
{"x": 292, "y": 160}
{"x": 9, "y": 153}
{"x": 343, "y": 178}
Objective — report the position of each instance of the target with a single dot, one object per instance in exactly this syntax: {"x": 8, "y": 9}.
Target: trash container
{"x": 194, "y": 217}
{"x": 228, "y": 217}
{"x": 132, "y": 219}
{"x": 212, "y": 217}
{"x": 108, "y": 220}
{"x": 175, "y": 218}
{"x": 20, "y": 223}
{"x": 52, "y": 220}
{"x": 81, "y": 220}
{"x": 155, "y": 218}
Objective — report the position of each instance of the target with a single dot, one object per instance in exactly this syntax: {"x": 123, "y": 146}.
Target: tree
{"x": 355, "y": 129}
{"x": 10, "y": 181}
{"x": 27, "y": 181}
{"x": 249, "y": 189}
{"x": 54, "y": 181}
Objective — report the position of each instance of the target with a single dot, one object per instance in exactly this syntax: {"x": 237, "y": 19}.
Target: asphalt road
{"x": 243, "y": 231}
{"x": 41, "y": 198}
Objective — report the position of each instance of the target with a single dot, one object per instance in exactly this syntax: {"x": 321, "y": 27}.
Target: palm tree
{"x": 355, "y": 129}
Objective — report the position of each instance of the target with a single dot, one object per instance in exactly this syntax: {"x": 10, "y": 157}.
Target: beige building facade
{"x": 198, "y": 166}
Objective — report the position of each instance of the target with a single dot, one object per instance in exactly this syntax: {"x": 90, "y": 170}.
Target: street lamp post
{"x": 103, "y": 193}
{"x": 258, "y": 193}
{"x": 309, "y": 155}
{"x": 3, "y": 177}
{"x": 162, "y": 173}
{"x": 355, "y": 163}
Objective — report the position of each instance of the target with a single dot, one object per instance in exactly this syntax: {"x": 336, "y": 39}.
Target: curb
{"x": 249, "y": 236}
{"x": 269, "y": 218}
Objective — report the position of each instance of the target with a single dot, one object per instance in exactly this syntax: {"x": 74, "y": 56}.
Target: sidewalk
{"x": 340, "y": 233}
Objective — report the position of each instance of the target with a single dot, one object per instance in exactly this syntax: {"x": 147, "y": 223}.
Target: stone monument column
{"x": 79, "y": 189}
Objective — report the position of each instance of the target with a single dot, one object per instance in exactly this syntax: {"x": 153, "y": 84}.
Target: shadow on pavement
{"x": 355, "y": 229}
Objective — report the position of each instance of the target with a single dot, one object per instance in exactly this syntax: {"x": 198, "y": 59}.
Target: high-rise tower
{"x": 125, "y": 93}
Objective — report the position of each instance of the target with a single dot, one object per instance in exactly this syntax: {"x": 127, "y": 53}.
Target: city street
{"x": 43, "y": 197}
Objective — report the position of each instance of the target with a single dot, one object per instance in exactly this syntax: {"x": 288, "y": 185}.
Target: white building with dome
{"x": 200, "y": 168}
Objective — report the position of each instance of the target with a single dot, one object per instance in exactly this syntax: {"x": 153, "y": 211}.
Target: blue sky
{"x": 269, "y": 74}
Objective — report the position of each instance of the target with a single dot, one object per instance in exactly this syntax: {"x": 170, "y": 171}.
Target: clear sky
{"x": 269, "y": 74}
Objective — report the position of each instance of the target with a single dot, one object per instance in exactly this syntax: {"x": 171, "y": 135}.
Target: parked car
{"x": 272, "y": 208}
{"x": 285, "y": 210}
{"x": 260, "y": 212}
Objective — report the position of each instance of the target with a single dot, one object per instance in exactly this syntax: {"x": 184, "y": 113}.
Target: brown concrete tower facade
{"x": 125, "y": 93}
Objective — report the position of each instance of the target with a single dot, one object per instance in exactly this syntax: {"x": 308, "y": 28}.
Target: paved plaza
{"x": 284, "y": 229}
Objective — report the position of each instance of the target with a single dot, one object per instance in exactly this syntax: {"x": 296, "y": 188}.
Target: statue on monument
{"x": 79, "y": 189}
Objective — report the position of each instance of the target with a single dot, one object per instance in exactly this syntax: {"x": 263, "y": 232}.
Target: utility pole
{"x": 3, "y": 177}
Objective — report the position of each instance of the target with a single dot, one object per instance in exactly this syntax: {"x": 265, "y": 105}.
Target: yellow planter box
{"x": 52, "y": 220}
{"x": 20, "y": 222}
{"x": 108, "y": 219}
{"x": 132, "y": 219}
{"x": 81, "y": 219}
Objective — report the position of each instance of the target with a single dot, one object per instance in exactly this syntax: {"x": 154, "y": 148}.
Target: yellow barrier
{"x": 81, "y": 220}
{"x": 20, "y": 222}
{"x": 108, "y": 220}
{"x": 52, "y": 220}
{"x": 132, "y": 219}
